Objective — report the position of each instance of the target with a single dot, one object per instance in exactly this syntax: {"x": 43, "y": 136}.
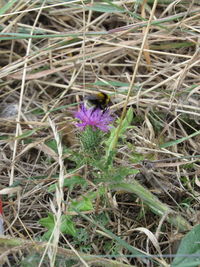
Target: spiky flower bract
{"x": 94, "y": 122}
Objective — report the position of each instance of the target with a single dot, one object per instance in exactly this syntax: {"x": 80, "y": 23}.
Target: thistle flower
{"x": 96, "y": 118}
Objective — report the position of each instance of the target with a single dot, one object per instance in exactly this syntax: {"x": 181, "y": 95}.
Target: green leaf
{"x": 116, "y": 174}
{"x": 127, "y": 121}
{"x": 4, "y": 137}
{"x": 84, "y": 205}
{"x": 101, "y": 191}
{"x": 69, "y": 182}
{"x": 105, "y": 8}
{"x": 171, "y": 45}
{"x": 111, "y": 83}
{"x": 178, "y": 141}
{"x": 165, "y": 2}
{"x": 52, "y": 144}
{"x": 7, "y": 7}
{"x": 188, "y": 246}
{"x": 48, "y": 222}
{"x": 27, "y": 134}
{"x": 67, "y": 225}
{"x": 125, "y": 125}
{"x": 122, "y": 172}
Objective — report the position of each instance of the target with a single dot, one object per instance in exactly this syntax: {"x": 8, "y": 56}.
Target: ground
{"x": 122, "y": 197}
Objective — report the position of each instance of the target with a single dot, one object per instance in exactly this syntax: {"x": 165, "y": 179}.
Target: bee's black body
{"x": 98, "y": 101}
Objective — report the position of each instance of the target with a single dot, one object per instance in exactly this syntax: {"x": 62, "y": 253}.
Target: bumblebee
{"x": 97, "y": 101}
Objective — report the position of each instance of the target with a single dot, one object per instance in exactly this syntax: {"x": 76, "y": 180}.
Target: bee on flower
{"x": 95, "y": 112}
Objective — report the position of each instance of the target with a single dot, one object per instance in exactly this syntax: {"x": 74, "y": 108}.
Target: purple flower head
{"x": 93, "y": 117}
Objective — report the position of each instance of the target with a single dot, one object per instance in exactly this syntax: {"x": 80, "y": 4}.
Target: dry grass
{"x": 145, "y": 55}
